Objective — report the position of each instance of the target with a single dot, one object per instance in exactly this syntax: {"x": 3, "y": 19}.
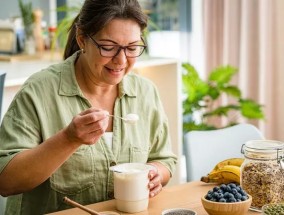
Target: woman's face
{"x": 110, "y": 70}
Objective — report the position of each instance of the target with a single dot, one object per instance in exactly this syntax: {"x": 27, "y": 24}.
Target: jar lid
{"x": 265, "y": 146}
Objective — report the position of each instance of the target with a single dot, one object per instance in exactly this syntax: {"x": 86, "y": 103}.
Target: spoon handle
{"x": 76, "y": 204}
{"x": 117, "y": 117}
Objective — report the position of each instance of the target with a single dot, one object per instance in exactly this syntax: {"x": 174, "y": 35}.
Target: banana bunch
{"x": 226, "y": 171}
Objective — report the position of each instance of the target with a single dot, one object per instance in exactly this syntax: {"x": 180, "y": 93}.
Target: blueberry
{"x": 215, "y": 189}
{"x": 208, "y": 196}
{"x": 228, "y": 189}
{"x": 234, "y": 191}
{"x": 226, "y": 194}
{"x": 210, "y": 192}
{"x": 232, "y": 199}
{"x": 215, "y": 195}
{"x": 220, "y": 191}
{"x": 243, "y": 192}
{"x": 220, "y": 196}
{"x": 232, "y": 185}
{"x": 238, "y": 188}
{"x": 223, "y": 187}
{"x": 238, "y": 196}
{"x": 230, "y": 195}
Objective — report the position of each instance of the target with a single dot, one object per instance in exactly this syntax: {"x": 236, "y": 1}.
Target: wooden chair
{"x": 204, "y": 149}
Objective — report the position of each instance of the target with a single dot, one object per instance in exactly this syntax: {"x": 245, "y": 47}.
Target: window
{"x": 169, "y": 21}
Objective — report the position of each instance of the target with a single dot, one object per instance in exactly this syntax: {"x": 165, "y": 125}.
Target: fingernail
{"x": 152, "y": 194}
{"x": 151, "y": 185}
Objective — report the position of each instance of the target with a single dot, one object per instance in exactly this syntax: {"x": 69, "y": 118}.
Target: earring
{"x": 83, "y": 51}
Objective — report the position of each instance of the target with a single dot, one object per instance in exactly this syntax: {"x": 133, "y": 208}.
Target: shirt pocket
{"x": 76, "y": 174}
{"x": 139, "y": 154}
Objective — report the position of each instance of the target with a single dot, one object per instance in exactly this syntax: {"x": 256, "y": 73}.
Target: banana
{"x": 231, "y": 161}
{"x": 225, "y": 174}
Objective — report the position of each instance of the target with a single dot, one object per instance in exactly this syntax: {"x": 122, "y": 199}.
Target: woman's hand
{"x": 155, "y": 184}
{"x": 87, "y": 127}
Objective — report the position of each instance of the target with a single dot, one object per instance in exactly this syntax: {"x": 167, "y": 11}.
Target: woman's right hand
{"x": 87, "y": 127}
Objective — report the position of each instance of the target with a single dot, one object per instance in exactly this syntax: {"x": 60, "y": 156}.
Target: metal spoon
{"x": 129, "y": 118}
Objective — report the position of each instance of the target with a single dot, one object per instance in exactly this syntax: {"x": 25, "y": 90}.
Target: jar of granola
{"x": 262, "y": 172}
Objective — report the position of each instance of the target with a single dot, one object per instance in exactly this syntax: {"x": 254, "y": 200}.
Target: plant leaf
{"x": 27, "y": 16}
{"x": 250, "y": 109}
{"x": 232, "y": 90}
{"x": 222, "y": 111}
{"x": 214, "y": 92}
{"x": 222, "y": 75}
{"x": 64, "y": 24}
{"x": 193, "y": 86}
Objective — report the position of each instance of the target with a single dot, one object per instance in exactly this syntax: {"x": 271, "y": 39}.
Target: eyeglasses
{"x": 130, "y": 51}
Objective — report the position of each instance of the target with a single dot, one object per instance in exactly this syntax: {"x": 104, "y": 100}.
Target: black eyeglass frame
{"x": 119, "y": 48}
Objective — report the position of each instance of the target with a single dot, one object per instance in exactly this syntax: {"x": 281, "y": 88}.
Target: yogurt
{"x": 131, "y": 186}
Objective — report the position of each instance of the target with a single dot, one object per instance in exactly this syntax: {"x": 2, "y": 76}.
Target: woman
{"x": 57, "y": 138}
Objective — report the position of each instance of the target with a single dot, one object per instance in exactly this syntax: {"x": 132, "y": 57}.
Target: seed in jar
{"x": 264, "y": 181}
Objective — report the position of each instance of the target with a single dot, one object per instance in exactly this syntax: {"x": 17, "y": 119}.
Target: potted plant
{"x": 28, "y": 22}
{"x": 202, "y": 99}
{"x": 61, "y": 31}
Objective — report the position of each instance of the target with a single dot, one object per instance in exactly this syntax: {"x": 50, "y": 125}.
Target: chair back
{"x": 204, "y": 149}
{"x": 2, "y": 80}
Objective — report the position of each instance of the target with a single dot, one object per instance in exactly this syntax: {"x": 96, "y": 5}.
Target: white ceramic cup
{"x": 131, "y": 190}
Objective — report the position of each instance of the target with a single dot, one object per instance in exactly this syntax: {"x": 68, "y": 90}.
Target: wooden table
{"x": 185, "y": 196}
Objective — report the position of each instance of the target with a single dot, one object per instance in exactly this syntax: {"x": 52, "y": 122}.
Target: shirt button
{"x": 113, "y": 163}
{"x": 110, "y": 195}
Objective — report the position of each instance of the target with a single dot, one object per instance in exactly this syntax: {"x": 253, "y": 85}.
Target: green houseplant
{"x": 61, "y": 34}
{"x": 202, "y": 97}
{"x": 26, "y": 10}
{"x": 27, "y": 16}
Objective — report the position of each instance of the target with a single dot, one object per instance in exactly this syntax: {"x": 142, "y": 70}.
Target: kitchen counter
{"x": 20, "y": 67}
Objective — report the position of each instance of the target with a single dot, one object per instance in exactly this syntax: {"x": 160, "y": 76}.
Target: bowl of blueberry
{"x": 226, "y": 199}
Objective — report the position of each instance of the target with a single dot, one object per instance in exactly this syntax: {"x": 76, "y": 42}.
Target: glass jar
{"x": 262, "y": 173}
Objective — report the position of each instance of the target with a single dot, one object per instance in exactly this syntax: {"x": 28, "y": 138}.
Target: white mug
{"x": 131, "y": 190}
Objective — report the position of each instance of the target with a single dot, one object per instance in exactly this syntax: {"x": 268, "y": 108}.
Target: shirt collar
{"x": 68, "y": 83}
{"x": 127, "y": 86}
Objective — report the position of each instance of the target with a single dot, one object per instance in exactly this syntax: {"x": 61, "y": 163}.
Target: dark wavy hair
{"x": 96, "y": 14}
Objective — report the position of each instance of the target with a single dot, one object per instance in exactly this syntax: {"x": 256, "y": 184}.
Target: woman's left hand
{"x": 155, "y": 184}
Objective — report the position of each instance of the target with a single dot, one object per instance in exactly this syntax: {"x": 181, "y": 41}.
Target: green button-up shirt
{"x": 46, "y": 103}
